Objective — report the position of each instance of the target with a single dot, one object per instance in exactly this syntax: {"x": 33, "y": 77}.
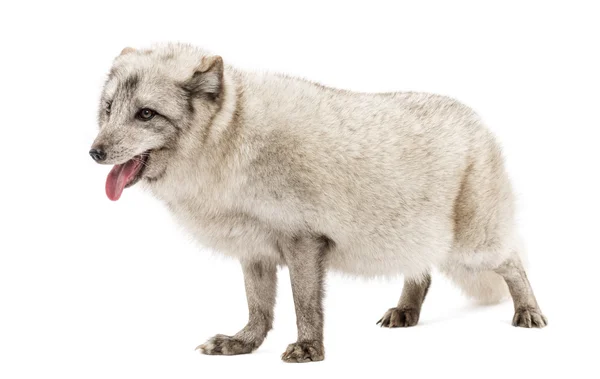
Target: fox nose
{"x": 98, "y": 154}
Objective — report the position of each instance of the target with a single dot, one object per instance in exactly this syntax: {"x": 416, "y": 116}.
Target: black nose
{"x": 98, "y": 155}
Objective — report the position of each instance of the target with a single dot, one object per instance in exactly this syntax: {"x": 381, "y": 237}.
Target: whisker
{"x": 142, "y": 161}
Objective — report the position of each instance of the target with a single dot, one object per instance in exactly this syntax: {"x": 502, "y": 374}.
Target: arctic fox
{"x": 280, "y": 171}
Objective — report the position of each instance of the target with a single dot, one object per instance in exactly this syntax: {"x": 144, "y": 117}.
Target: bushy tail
{"x": 486, "y": 287}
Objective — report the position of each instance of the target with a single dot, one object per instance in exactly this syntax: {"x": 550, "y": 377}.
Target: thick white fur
{"x": 400, "y": 182}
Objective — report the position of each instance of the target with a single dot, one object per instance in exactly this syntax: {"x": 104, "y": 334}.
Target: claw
{"x": 399, "y": 317}
{"x": 305, "y": 351}
{"x": 529, "y": 318}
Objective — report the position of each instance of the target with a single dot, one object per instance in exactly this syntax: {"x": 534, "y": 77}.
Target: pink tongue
{"x": 119, "y": 176}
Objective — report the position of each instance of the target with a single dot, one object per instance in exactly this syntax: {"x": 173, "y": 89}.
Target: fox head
{"x": 150, "y": 101}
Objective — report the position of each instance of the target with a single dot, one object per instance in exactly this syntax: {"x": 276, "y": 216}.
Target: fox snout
{"x": 115, "y": 147}
{"x": 98, "y": 154}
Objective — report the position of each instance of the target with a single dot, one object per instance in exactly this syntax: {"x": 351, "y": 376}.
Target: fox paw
{"x": 306, "y": 351}
{"x": 225, "y": 345}
{"x": 529, "y": 318}
{"x": 399, "y": 318}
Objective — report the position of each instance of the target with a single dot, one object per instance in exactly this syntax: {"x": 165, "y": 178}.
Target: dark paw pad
{"x": 399, "y": 318}
{"x": 529, "y": 318}
{"x": 306, "y": 351}
{"x": 225, "y": 345}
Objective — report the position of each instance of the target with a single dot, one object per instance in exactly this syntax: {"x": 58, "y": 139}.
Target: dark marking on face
{"x": 189, "y": 99}
{"x": 153, "y": 179}
{"x": 149, "y": 161}
{"x": 236, "y": 121}
{"x": 130, "y": 85}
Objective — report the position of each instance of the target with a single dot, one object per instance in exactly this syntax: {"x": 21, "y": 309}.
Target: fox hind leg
{"x": 527, "y": 311}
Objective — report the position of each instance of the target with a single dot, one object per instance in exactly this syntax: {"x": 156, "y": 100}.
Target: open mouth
{"x": 125, "y": 175}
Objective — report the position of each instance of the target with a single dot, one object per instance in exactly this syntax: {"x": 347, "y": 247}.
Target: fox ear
{"x": 208, "y": 78}
{"x": 127, "y": 50}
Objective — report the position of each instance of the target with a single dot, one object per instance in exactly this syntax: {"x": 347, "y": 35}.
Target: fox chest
{"x": 231, "y": 233}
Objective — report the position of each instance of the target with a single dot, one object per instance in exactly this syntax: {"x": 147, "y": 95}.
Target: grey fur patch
{"x": 305, "y": 255}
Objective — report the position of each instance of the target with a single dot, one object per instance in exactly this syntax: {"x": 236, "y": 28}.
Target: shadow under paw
{"x": 529, "y": 318}
{"x": 225, "y": 345}
{"x": 306, "y": 351}
{"x": 400, "y": 318}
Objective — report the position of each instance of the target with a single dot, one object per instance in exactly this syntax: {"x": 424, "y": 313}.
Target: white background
{"x": 95, "y": 289}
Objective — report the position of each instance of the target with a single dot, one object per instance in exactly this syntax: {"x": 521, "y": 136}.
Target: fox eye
{"x": 145, "y": 114}
{"x": 107, "y": 106}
